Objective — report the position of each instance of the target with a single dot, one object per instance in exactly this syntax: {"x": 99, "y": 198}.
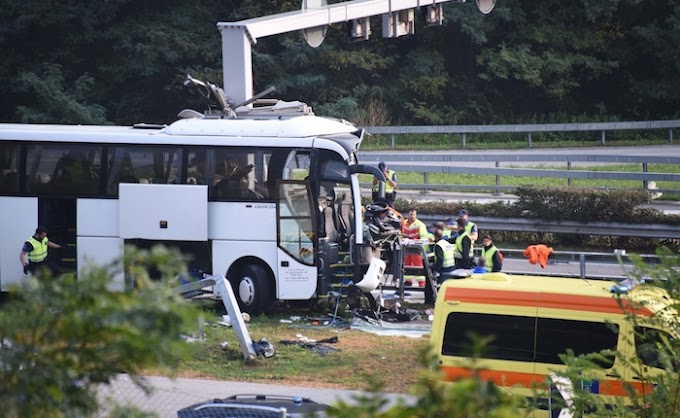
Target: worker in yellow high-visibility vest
{"x": 390, "y": 184}
{"x": 444, "y": 263}
{"x": 470, "y": 227}
{"x": 33, "y": 254}
{"x": 493, "y": 257}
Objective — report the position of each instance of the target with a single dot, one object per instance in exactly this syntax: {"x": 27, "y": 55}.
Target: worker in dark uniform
{"x": 33, "y": 254}
{"x": 462, "y": 247}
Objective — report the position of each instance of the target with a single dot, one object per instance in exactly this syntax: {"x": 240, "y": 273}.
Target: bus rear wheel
{"x": 252, "y": 289}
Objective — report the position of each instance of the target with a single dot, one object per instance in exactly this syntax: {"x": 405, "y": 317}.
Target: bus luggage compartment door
{"x": 163, "y": 212}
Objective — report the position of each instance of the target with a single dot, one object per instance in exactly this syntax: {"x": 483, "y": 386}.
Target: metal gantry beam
{"x": 238, "y": 37}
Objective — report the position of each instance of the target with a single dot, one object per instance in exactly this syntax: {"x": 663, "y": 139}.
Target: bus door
{"x": 58, "y": 174}
{"x": 58, "y": 215}
{"x": 296, "y": 269}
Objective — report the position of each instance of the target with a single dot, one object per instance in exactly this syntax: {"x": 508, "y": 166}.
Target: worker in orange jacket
{"x": 414, "y": 228}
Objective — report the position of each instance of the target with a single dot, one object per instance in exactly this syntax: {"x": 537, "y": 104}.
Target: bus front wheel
{"x": 252, "y": 289}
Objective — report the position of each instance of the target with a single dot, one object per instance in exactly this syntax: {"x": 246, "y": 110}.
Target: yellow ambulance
{"x": 533, "y": 319}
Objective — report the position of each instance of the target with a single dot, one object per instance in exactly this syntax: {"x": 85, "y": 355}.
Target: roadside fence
{"x": 465, "y": 130}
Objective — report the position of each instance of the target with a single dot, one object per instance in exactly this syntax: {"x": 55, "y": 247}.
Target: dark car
{"x": 255, "y": 406}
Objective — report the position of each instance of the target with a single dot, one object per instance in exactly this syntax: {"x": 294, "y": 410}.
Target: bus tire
{"x": 252, "y": 289}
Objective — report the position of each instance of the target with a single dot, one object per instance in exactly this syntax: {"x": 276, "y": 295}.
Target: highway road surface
{"x": 170, "y": 395}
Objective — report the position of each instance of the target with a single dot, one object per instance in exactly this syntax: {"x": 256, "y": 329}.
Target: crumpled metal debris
{"x": 319, "y": 346}
{"x": 264, "y": 348}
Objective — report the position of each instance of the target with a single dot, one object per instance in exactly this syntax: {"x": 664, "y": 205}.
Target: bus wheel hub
{"x": 246, "y": 290}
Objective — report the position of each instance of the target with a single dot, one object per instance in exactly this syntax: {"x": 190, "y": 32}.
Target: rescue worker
{"x": 446, "y": 233}
{"x": 444, "y": 262}
{"x": 36, "y": 248}
{"x": 470, "y": 227}
{"x": 491, "y": 256}
{"x": 413, "y": 227}
{"x": 390, "y": 184}
{"x": 462, "y": 247}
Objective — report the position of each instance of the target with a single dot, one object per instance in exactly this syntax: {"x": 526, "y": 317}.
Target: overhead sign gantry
{"x": 314, "y": 17}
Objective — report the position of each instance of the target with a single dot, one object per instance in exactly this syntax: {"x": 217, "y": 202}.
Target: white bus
{"x": 270, "y": 198}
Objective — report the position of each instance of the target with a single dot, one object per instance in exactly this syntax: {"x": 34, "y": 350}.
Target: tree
{"x": 60, "y": 338}
{"x": 135, "y": 55}
{"x": 57, "y": 103}
{"x": 543, "y": 62}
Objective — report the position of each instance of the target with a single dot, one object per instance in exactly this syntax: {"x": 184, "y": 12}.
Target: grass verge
{"x": 362, "y": 361}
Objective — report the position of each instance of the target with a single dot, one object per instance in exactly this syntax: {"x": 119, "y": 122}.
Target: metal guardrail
{"x": 465, "y": 130}
{"x": 579, "y": 264}
{"x": 449, "y": 163}
{"x": 574, "y": 264}
{"x": 569, "y": 227}
{"x": 453, "y": 158}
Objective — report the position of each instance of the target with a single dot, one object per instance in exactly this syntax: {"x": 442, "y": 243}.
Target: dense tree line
{"x": 551, "y": 61}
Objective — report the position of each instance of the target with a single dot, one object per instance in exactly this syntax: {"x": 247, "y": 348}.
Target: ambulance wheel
{"x": 252, "y": 289}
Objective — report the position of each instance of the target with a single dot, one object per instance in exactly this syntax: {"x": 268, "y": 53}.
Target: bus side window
{"x": 275, "y": 169}
{"x": 147, "y": 165}
{"x": 9, "y": 181}
{"x": 121, "y": 170}
{"x": 64, "y": 169}
{"x": 233, "y": 184}
{"x": 72, "y": 167}
{"x": 166, "y": 165}
{"x": 196, "y": 170}
{"x": 74, "y": 174}
{"x": 235, "y": 176}
{"x": 9, "y": 178}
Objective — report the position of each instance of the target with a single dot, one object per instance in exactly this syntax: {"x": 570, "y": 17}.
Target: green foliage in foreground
{"x": 60, "y": 337}
{"x": 470, "y": 397}
{"x": 655, "y": 367}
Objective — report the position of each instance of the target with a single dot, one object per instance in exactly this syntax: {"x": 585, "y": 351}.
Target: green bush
{"x": 62, "y": 337}
{"x": 569, "y": 204}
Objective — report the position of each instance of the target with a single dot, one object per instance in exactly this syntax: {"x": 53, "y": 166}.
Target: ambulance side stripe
{"x": 542, "y": 300}
{"x": 527, "y": 380}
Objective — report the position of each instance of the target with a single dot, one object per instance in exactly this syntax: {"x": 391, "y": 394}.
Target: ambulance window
{"x": 555, "y": 336}
{"x": 652, "y": 347}
{"x": 511, "y": 337}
